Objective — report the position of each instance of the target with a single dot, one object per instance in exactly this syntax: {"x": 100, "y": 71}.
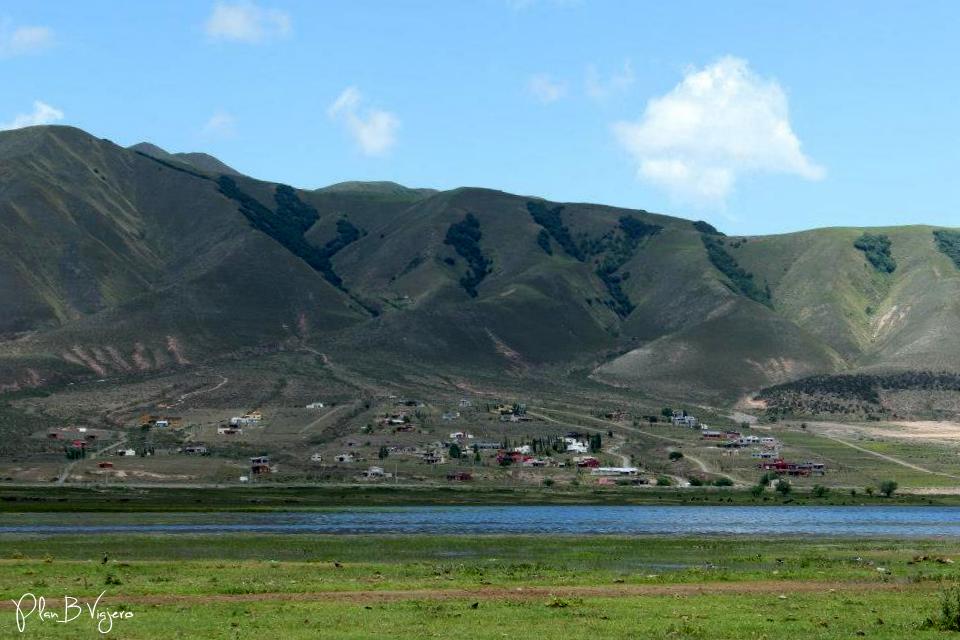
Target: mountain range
{"x": 122, "y": 261}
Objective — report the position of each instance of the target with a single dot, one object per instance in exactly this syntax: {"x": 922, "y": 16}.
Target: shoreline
{"x": 44, "y": 498}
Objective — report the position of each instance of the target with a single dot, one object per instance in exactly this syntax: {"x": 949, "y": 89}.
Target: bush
{"x": 784, "y": 487}
{"x": 767, "y": 478}
{"x": 887, "y": 487}
{"x": 819, "y": 491}
{"x": 757, "y": 490}
{"x": 664, "y": 481}
{"x": 723, "y": 482}
{"x": 675, "y": 455}
{"x": 877, "y": 250}
{"x": 948, "y": 618}
{"x": 543, "y": 239}
{"x": 695, "y": 481}
{"x": 548, "y": 482}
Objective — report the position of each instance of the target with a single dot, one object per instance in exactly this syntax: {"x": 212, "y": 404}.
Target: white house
{"x": 685, "y": 421}
{"x": 344, "y": 457}
{"x": 316, "y": 458}
{"x": 614, "y": 471}
{"x": 315, "y": 405}
{"x": 577, "y": 447}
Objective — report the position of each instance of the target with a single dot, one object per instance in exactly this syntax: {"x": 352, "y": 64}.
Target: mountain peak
{"x": 383, "y": 188}
{"x": 202, "y": 161}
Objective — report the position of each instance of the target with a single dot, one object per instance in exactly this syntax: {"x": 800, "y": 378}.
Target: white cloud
{"x": 374, "y": 130}
{"x": 23, "y": 40}
{"x": 600, "y": 88}
{"x": 719, "y": 123}
{"x": 42, "y": 114}
{"x": 221, "y": 124}
{"x": 246, "y": 22}
{"x": 546, "y": 89}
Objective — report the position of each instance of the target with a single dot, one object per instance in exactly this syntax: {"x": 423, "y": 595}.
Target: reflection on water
{"x": 902, "y": 522}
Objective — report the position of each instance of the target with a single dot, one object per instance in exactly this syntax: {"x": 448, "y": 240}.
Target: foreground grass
{"x": 247, "y": 586}
{"x": 824, "y": 616}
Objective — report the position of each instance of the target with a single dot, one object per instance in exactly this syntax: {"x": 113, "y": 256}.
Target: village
{"x": 459, "y": 440}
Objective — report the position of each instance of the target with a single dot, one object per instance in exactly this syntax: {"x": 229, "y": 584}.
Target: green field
{"x": 251, "y": 586}
{"x": 293, "y": 497}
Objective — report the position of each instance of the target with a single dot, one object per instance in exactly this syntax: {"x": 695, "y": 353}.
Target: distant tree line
{"x": 850, "y": 393}
{"x": 741, "y": 279}
{"x": 706, "y": 227}
{"x": 876, "y": 247}
{"x": 288, "y": 224}
{"x": 948, "y": 242}
{"x": 464, "y": 237}
{"x": 550, "y": 219}
{"x": 620, "y": 248}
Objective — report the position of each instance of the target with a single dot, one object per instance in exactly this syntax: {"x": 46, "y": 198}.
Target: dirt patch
{"x": 923, "y": 430}
{"x": 532, "y": 593}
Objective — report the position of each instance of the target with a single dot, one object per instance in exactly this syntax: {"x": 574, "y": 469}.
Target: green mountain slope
{"x": 116, "y": 261}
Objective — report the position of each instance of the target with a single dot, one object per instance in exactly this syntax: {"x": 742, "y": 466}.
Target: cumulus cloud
{"x": 221, "y": 124}
{"x": 246, "y": 22}
{"x": 24, "y": 40}
{"x": 373, "y": 130}
{"x": 719, "y": 123}
{"x": 545, "y": 89}
{"x": 599, "y": 87}
{"x": 42, "y": 114}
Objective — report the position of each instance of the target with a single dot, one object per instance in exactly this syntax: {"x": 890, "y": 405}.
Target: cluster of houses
{"x": 260, "y": 466}
{"x": 683, "y": 419}
{"x": 82, "y": 434}
{"x": 160, "y": 421}
{"x": 247, "y": 419}
{"x": 736, "y": 440}
{"x": 516, "y": 412}
{"x": 784, "y": 468}
{"x": 375, "y": 473}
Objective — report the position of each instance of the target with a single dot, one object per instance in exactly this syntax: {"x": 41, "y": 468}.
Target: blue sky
{"x": 760, "y": 117}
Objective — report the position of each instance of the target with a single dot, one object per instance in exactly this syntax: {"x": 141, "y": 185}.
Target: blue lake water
{"x": 885, "y": 522}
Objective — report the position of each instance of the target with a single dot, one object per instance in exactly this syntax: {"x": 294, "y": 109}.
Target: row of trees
{"x": 783, "y": 486}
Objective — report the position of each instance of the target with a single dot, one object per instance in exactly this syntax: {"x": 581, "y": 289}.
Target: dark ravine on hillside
{"x": 119, "y": 261}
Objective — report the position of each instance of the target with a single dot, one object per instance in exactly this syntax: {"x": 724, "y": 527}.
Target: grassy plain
{"x": 300, "y": 497}
{"x": 251, "y": 586}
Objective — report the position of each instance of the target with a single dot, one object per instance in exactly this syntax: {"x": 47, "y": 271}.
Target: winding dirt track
{"x": 761, "y": 587}
{"x": 883, "y": 456}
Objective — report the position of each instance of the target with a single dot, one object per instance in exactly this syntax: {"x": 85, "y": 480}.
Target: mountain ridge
{"x": 127, "y": 260}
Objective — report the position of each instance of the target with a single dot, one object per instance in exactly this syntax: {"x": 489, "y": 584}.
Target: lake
{"x": 893, "y": 522}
